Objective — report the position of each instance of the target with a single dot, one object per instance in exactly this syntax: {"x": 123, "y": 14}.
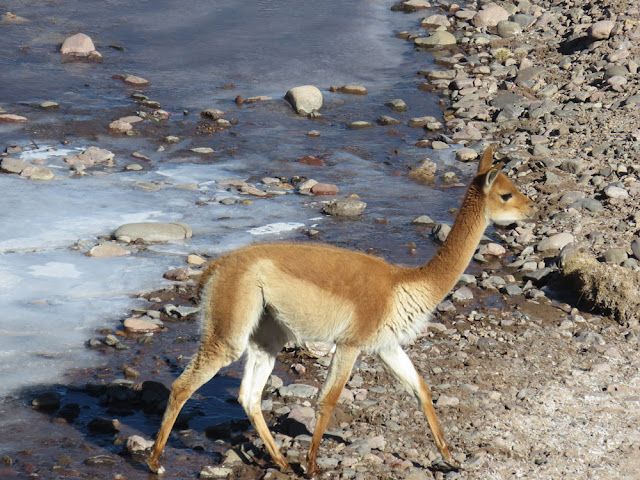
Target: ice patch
{"x": 56, "y": 270}
{"x": 275, "y": 228}
{"x": 45, "y": 153}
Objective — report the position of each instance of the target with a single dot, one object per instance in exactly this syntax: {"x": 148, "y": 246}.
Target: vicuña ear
{"x": 491, "y": 175}
{"x": 486, "y": 161}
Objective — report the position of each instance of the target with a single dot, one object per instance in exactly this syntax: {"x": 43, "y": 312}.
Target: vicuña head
{"x": 257, "y": 298}
{"x": 504, "y": 203}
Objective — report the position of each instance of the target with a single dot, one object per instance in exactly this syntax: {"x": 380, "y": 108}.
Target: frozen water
{"x": 275, "y": 228}
{"x": 54, "y": 296}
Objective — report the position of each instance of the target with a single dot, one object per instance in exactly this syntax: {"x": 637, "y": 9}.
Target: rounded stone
{"x": 466, "y": 155}
{"x": 345, "y": 207}
{"x": 507, "y": 29}
{"x": 397, "y": 105}
{"x": 120, "y": 126}
{"x": 109, "y": 249}
{"x": 555, "y": 242}
{"x": 489, "y": 16}
{"x": 11, "y": 118}
{"x": 615, "y": 255}
{"x": 153, "y": 232}
{"x": 138, "y": 325}
{"x": 320, "y": 188}
{"x": 78, "y": 44}
{"x": 613, "y": 191}
{"x": 635, "y": 248}
{"x": 136, "y": 81}
{"x": 436, "y": 39}
{"x": 304, "y": 99}
{"x": 601, "y": 30}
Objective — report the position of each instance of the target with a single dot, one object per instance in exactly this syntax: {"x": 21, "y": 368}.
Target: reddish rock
{"x": 178, "y": 274}
{"x": 138, "y": 325}
{"x": 310, "y": 160}
{"x": 324, "y": 189}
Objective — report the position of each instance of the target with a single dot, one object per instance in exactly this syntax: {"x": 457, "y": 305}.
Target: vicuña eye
{"x": 506, "y": 197}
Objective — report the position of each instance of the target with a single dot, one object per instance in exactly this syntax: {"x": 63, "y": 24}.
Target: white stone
{"x": 78, "y": 44}
{"x": 305, "y": 99}
{"x": 136, "y": 443}
{"x": 466, "y": 154}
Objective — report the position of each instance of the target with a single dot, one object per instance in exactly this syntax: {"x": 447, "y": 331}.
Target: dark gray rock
{"x": 589, "y": 338}
{"x": 503, "y": 100}
{"x": 615, "y": 255}
{"x": 47, "y": 402}
{"x": 104, "y": 425}
{"x": 616, "y": 70}
{"x": 512, "y": 290}
{"x": 524, "y": 20}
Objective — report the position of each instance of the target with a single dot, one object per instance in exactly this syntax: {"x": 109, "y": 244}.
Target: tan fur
{"x": 257, "y": 298}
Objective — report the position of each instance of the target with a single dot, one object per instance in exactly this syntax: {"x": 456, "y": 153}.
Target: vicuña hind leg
{"x": 202, "y": 369}
{"x": 260, "y": 362}
{"x": 401, "y": 366}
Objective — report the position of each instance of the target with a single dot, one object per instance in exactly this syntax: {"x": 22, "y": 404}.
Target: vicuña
{"x": 256, "y": 299}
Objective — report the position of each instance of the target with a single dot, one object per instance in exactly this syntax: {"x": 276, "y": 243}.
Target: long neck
{"x": 444, "y": 270}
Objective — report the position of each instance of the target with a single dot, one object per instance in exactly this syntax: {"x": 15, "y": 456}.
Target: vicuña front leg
{"x": 338, "y": 374}
{"x": 401, "y": 366}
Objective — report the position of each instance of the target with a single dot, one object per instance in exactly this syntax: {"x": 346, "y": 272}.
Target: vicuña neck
{"x": 446, "y": 267}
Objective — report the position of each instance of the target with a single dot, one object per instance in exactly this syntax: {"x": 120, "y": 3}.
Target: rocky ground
{"x": 530, "y": 379}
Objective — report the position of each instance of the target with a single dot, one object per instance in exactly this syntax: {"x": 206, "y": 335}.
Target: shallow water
{"x": 53, "y": 295}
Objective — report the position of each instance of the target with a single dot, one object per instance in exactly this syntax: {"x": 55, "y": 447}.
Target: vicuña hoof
{"x": 445, "y": 465}
{"x": 155, "y": 467}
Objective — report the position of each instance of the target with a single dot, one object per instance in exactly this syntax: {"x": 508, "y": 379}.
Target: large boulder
{"x": 304, "y": 99}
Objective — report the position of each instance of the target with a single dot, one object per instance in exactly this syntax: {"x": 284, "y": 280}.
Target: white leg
{"x": 260, "y": 361}
{"x": 401, "y": 366}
